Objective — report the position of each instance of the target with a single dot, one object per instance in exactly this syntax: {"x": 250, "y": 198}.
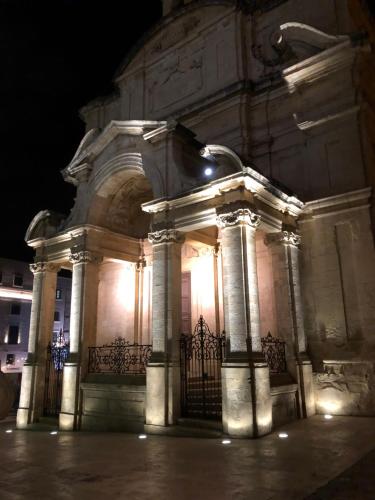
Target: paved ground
{"x": 37, "y": 465}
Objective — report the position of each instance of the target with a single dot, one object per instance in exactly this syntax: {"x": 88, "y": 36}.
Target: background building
{"x": 16, "y": 283}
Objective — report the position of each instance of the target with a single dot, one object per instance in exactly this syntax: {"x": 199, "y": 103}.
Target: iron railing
{"x": 274, "y": 352}
{"x": 119, "y": 357}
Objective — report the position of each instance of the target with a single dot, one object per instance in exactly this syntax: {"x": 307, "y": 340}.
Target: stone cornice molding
{"x": 84, "y": 257}
{"x": 237, "y": 213}
{"x": 283, "y": 237}
{"x": 165, "y": 236}
{"x": 42, "y": 267}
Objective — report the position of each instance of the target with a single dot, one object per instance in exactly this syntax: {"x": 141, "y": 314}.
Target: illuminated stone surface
{"x": 268, "y": 104}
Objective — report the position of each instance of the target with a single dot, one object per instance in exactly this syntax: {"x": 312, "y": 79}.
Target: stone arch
{"x": 119, "y": 190}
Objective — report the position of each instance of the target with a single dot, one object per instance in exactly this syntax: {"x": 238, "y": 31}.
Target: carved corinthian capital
{"x": 84, "y": 257}
{"x": 283, "y": 237}
{"x": 237, "y": 216}
{"x": 165, "y": 236}
{"x": 41, "y": 267}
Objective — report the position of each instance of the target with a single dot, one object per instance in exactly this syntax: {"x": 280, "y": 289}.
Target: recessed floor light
{"x": 283, "y": 435}
{"x": 142, "y": 436}
{"x": 53, "y": 433}
{"x": 9, "y": 431}
{"x": 327, "y": 416}
{"x": 226, "y": 441}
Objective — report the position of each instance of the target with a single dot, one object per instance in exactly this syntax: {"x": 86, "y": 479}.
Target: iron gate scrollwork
{"x": 57, "y": 354}
{"x": 201, "y": 357}
{"x": 274, "y": 352}
{"x": 119, "y": 357}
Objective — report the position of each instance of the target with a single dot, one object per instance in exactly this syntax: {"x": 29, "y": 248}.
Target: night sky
{"x": 56, "y": 56}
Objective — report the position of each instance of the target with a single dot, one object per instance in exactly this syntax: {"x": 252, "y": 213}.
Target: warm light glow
{"x": 9, "y": 293}
{"x": 226, "y": 441}
{"x": 327, "y": 416}
{"x": 142, "y": 436}
{"x": 53, "y": 433}
{"x": 125, "y": 286}
{"x": 9, "y": 431}
{"x": 328, "y": 407}
{"x": 283, "y": 435}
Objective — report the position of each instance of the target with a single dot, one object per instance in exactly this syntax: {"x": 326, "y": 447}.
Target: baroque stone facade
{"x": 227, "y": 176}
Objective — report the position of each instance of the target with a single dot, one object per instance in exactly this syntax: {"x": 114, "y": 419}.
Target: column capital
{"x": 237, "y": 213}
{"x": 42, "y": 267}
{"x": 283, "y": 237}
{"x": 166, "y": 236}
{"x": 84, "y": 257}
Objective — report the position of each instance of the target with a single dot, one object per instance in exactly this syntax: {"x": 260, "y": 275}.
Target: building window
{"x": 57, "y": 316}
{"x": 58, "y": 294}
{"x": 18, "y": 280}
{"x": 13, "y": 334}
{"x": 11, "y": 359}
{"x": 15, "y": 309}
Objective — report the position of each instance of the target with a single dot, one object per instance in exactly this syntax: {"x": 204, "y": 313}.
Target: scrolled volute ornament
{"x": 165, "y": 236}
{"x": 239, "y": 216}
{"x": 84, "y": 257}
{"x": 41, "y": 267}
{"x": 283, "y": 237}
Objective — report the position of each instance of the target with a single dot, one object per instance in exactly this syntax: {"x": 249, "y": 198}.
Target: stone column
{"x": 138, "y": 301}
{"x": 163, "y": 371}
{"x": 82, "y": 334}
{"x": 40, "y": 333}
{"x": 284, "y": 248}
{"x": 247, "y": 408}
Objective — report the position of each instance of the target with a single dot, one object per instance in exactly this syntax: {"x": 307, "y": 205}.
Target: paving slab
{"x": 40, "y": 465}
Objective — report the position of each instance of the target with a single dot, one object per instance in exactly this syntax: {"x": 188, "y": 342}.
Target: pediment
{"x": 302, "y": 41}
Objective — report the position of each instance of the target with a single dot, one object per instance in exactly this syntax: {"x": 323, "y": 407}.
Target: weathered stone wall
{"x": 345, "y": 388}
{"x": 113, "y": 403}
{"x": 115, "y": 302}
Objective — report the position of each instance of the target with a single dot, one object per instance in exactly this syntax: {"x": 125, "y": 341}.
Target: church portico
{"x": 145, "y": 271}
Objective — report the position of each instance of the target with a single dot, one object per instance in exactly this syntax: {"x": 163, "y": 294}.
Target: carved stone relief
{"x": 125, "y": 214}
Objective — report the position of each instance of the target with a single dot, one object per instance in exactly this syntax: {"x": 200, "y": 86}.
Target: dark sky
{"x": 56, "y": 55}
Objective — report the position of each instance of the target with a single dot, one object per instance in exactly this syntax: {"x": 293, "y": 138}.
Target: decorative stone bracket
{"x": 165, "y": 236}
{"x": 235, "y": 213}
{"x": 83, "y": 257}
{"x": 42, "y": 267}
{"x": 283, "y": 237}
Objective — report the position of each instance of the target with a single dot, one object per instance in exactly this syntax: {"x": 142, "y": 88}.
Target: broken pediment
{"x": 306, "y": 41}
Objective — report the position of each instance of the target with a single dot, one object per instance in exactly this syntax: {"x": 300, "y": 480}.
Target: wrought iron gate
{"x": 201, "y": 356}
{"x": 57, "y": 353}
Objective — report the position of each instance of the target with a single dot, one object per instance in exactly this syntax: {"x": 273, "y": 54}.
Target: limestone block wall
{"x": 345, "y": 388}
{"x": 113, "y": 403}
{"x": 268, "y": 321}
{"x": 116, "y": 299}
{"x": 338, "y": 270}
{"x": 199, "y": 262}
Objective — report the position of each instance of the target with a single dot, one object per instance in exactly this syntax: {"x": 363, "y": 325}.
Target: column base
{"x": 243, "y": 417}
{"x": 69, "y": 415}
{"x": 305, "y": 386}
{"x": 162, "y": 394}
{"x": 31, "y": 397}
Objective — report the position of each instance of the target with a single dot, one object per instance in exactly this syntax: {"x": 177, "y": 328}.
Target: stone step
{"x": 198, "y": 423}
